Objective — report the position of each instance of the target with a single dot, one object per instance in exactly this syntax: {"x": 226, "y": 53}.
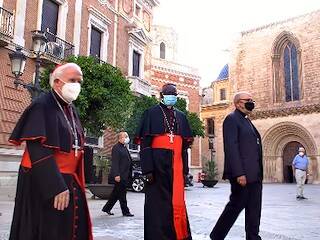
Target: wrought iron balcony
{"x": 57, "y": 48}
{"x": 6, "y": 26}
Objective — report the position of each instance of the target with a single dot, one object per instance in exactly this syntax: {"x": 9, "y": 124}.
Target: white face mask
{"x": 70, "y": 91}
{"x": 301, "y": 153}
{"x": 127, "y": 140}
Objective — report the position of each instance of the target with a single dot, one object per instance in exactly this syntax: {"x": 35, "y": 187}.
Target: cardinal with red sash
{"x": 50, "y": 201}
{"x": 164, "y": 136}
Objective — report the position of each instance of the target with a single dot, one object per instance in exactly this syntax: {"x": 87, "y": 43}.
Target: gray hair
{"x": 59, "y": 71}
{"x": 237, "y": 96}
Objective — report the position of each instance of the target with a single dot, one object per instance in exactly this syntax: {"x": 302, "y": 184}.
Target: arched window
{"x": 291, "y": 72}
{"x": 162, "y": 50}
{"x": 286, "y": 67}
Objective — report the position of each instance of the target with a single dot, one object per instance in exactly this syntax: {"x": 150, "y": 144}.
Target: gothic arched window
{"x": 291, "y": 73}
{"x": 162, "y": 50}
{"x": 286, "y": 67}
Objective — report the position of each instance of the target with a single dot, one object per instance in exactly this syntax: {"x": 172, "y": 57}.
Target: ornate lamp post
{"x": 18, "y": 61}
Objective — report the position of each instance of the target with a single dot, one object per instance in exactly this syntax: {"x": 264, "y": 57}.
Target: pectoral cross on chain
{"x": 76, "y": 147}
{"x": 171, "y": 136}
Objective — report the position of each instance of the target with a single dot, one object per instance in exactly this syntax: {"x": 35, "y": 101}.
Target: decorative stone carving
{"x": 147, "y": 21}
{"x": 274, "y": 142}
{"x": 127, "y": 6}
{"x": 263, "y": 114}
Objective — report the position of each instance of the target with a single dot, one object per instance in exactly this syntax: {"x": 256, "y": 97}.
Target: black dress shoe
{"x": 128, "y": 215}
{"x": 302, "y": 197}
{"x": 107, "y": 212}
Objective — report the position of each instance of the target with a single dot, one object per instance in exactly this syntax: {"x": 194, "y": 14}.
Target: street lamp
{"x": 18, "y": 61}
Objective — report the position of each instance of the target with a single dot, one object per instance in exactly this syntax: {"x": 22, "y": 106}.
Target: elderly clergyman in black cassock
{"x": 165, "y": 135}
{"x": 243, "y": 168}
{"x": 50, "y": 201}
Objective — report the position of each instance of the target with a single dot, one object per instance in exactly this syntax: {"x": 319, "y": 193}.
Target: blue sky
{"x": 206, "y": 28}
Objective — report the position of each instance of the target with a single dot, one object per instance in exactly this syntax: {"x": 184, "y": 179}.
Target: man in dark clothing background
{"x": 119, "y": 173}
{"x": 243, "y": 167}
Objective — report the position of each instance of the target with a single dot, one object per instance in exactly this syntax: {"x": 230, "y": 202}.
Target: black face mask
{"x": 249, "y": 106}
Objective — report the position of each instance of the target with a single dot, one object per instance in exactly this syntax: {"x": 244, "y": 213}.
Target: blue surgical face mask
{"x": 169, "y": 100}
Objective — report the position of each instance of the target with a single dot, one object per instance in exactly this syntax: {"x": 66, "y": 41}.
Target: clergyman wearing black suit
{"x": 243, "y": 168}
{"x": 120, "y": 170}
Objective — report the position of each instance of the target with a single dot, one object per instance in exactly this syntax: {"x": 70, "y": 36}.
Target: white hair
{"x": 59, "y": 71}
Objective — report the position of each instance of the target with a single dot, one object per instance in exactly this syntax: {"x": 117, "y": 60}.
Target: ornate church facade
{"x": 279, "y": 64}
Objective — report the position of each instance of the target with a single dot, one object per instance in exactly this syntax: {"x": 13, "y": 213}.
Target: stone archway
{"x": 275, "y": 141}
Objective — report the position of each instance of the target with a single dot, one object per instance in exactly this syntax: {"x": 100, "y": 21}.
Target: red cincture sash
{"x": 179, "y": 207}
{"x": 67, "y": 163}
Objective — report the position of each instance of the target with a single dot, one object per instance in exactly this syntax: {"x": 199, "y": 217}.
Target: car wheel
{"x": 138, "y": 185}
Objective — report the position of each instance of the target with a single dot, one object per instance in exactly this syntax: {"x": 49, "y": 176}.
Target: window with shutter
{"x": 95, "y": 44}
{"x": 210, "y": 126}
{"x": 50, "y": 11}
{"x": 162, "y": 50}
{"x": 223, "y": 94}
{"x": 136, "y": 64}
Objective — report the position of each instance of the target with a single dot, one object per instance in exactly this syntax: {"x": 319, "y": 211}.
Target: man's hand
{"x": 61, "y": 201}
{"x": 242, "y": 180}
{"x": 117, "y": 178}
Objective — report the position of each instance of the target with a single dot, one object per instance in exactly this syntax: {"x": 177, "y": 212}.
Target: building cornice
{"x": 285, "y": 112}
{"x": 176, "y": 83}
{"x": 175, "y": 68}
{"x": 99, "y": 15}
{"x": 108, "y": 5}
{"x": 215, "y": 106}
{"x": 278, "y": 23}
{"x": 174, "y": 72}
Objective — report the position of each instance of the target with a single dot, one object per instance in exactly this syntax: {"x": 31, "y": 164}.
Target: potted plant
{"x": 210, "y": 173}
{"x": 100, "y": 188}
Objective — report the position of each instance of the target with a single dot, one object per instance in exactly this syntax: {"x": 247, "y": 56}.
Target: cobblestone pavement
{"x": 283, "y": 217}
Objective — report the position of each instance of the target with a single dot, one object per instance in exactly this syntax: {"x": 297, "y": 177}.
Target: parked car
{"x": 137, "y": 180}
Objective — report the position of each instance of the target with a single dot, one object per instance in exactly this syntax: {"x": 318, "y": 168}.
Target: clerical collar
{"x": 242, "y": 113}
{"x": 60, "y": 98}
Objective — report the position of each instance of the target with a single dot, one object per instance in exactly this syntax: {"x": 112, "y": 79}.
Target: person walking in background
{"x": 119, "y": 175}
{"x": 300, "y": 168}
{"x": 50, "y": 202}
{"x": 243, "y": 168}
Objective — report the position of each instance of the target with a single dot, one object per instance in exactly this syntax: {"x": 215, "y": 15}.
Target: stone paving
{"x": 283, "y": 217}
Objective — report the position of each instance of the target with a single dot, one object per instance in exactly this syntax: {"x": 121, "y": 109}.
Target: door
{"x": 289, "y": 152}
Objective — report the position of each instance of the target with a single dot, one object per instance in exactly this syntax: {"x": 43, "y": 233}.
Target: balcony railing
{"x": 140, "y": 86}
{"x": 6, "y": 22}
{"x": 57, "y": 47}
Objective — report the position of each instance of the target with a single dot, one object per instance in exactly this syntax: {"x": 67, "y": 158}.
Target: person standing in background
{"x": 300, "y": 168}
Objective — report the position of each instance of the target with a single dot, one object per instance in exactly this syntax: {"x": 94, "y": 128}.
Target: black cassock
{"x": 49, "y": 166}
{"x": 157, "y": 157}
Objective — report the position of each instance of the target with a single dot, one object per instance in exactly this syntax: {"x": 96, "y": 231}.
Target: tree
{"x": 143, "y": 103}
{"x": 105, "y": 99}
{"x": 140, "y": 104}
